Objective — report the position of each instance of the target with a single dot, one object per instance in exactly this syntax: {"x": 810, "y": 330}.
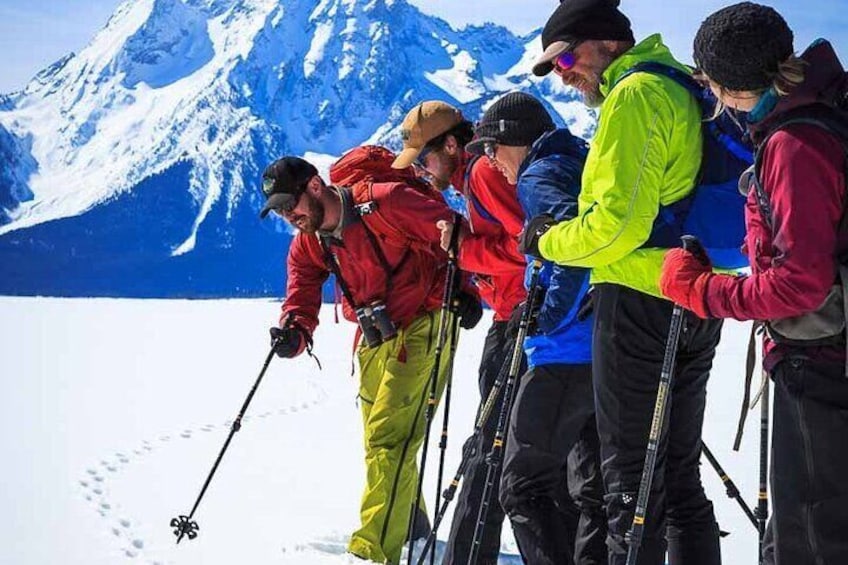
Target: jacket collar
{"x": 822, "y": 73}
{"x": 649, "y": 49}
{"x": 556, "y": 142}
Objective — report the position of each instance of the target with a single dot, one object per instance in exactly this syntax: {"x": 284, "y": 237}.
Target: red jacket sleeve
{"x": 416, "y": 213}
{"x": 803, "y": 174}
{"x": 491, "y": 251}
{"x": 306, "y": 275}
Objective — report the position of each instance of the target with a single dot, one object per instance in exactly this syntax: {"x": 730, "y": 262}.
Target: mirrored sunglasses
{"x": 566, "y": 60}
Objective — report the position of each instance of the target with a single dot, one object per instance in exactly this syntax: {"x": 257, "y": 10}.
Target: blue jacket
{"x": 549, "y": 183}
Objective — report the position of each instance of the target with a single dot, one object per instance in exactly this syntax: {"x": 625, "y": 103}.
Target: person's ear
{"x": 315, "y": 185}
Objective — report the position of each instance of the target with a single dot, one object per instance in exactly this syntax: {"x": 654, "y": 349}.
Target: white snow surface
{"x": 113, "y": 412}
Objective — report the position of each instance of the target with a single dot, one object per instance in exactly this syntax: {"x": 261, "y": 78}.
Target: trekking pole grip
{"x": 693, "y": 246}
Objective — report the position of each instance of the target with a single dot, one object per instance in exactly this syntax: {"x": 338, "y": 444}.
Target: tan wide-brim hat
{"x": 423, "y": 123}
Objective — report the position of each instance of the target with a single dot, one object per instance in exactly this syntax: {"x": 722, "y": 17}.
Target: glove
{"x": 528, "y": 240}
{"x": 684, "y": 280}
{"x": 469, "y": 310}
{"x": 288, "y": 341}
{"x": 515, "y": 318}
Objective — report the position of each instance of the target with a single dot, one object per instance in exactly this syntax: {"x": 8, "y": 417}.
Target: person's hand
{"x": 528, "y": 240}
{"x": 469, "y": 310}
{"x": 447, "y": 231}
{"x": 515, "y": 318}
{"x": 684, "y": 280}
{"x": 288, "y": 341}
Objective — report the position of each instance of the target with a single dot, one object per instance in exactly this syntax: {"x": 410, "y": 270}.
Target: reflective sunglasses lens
{"x": 489, "y": 150}
{"x": 565, "y": 62}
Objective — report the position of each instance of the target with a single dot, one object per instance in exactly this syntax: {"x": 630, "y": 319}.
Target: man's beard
{"x": 444, "y": 183}
{"x": 311, "y": 222}
{"x": 592, "y": 96}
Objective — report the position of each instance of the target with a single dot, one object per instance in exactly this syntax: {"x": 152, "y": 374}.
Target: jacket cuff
{"x": 698, "y": 303}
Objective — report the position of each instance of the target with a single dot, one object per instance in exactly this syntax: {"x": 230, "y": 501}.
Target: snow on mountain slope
{"x": 221, "y": 88}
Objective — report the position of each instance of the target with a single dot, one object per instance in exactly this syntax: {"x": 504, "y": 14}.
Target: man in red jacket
{"x": 376, "y": 232}
{"x": 435, "y": 135}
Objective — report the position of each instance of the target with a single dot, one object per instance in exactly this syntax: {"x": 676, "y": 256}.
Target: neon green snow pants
{"x": 393, "y": 391}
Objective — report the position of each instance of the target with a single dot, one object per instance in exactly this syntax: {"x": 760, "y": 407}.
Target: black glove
{"x": 288, "y": 341}
{"x": 528, "y": 240}
{"x": 515, "y": 318}
{"x": 469, "y": 310}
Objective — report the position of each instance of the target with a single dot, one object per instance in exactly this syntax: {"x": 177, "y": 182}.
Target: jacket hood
{"x": 824, "y": 76}
{"x": 556, "y": 142}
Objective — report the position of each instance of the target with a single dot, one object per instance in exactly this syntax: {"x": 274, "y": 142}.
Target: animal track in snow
{"x": 94, "y": 484}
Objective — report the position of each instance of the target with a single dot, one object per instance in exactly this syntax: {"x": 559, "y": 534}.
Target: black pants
{"x": 629, "y": 340}
{"x": 809, "y": 471}
{"x": 551, "y": 487}
{"x": 496, "y": 350}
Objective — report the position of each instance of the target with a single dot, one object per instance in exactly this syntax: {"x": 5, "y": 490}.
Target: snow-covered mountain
{"x": 130, "y": 168}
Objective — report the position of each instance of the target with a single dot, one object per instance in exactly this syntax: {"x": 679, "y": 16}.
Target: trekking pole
{"x": 443, "y": 442}
{"x": 634, "y": 535}
{"x": 732, "y": 490}
{"x": 762, "y": 503}
{"x": 447, "y": 302}
{"x": 496, "y": 455}
{"x": 468, "y": 451}
{"x": 185, "y": 525}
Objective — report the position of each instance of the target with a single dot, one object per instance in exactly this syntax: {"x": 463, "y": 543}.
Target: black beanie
{"x": 576, "y": 20}
{"x": 740, "y": 47}
{"x": 516, "y": 119}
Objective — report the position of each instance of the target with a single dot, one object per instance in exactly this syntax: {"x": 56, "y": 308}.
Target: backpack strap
{"x": 333, "y": 264}
{"x": 819, "y": 115}
{"x": 668, "y": 225}
{"x": 469, "y": 194}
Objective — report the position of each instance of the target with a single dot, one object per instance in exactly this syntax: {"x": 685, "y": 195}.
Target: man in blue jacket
{"x": 551, "y": 487}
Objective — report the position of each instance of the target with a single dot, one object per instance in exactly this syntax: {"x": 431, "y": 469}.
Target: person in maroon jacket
{"x": 434, "y": 135}
{"x": 796, "y": 201}
{"x": 376, "y": 232}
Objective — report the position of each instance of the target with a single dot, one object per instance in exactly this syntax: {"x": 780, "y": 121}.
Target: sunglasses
{"x": 490, "y": 148}
{"x": 288, "y": 206}
{"x": 421, "y": 160}
{"x": 566, "y": 60}
{"x": 290, "y": 201}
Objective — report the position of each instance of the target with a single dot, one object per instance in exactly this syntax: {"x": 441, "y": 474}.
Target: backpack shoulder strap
{"x": 469, "y": 194}
{"x": 367, "y": 207}
{"x": 829, "y": 119}
{"x": 682, "y": 78}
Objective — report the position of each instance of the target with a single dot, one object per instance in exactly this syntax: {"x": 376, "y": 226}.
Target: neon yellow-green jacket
{"x": 646, "y": 152}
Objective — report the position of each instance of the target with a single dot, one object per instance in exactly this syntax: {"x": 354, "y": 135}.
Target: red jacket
{"x": 794, "y": 264}
{"x": 490, "y": 251}
{"x": 417, "y": 263}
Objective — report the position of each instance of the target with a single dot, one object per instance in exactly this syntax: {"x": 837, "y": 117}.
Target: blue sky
{"x": 34, "y": 33}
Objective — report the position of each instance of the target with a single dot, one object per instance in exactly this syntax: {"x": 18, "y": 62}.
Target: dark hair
{"x": 463, "y": 132}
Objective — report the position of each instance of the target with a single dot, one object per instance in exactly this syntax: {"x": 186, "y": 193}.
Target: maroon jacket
{"x": 803, "y": 173}
{"x": 490, "y": 251}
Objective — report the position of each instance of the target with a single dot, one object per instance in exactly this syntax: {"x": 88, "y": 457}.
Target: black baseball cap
{"x": 283, "y": 180}
{"x": 578, "y": 20}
